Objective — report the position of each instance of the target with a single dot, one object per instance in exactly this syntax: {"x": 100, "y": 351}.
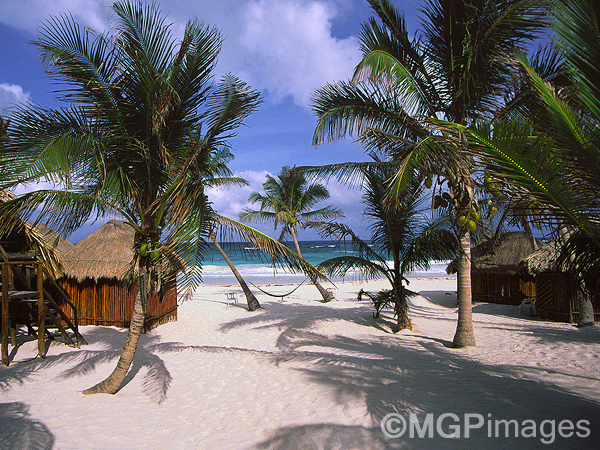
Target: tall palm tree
{"x": 561, "y": 127}
{"x": 288, "y": 200}
{"x": 452, "y": 69}
{"x": 139, "y": 139}
{"x": 403, "y": 232}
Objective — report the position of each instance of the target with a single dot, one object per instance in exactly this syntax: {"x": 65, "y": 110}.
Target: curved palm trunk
{"x": 112, "y": 384}
{"x": 253, "y": 304}
{"x": 327, "y": 297}
{"x": 464, "y": 336}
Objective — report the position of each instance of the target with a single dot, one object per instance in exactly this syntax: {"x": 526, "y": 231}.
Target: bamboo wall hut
{"x": 95, "y": 272}
{"x": 494, "y": 269}
{"x": 556, "y": 290}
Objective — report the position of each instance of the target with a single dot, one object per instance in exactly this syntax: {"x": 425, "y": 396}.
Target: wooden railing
{"x": 46, "y": 306}
{"x": 9, "y": 295}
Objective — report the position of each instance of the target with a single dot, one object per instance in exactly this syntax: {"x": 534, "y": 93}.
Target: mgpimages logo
{"x": 450, "y": 426}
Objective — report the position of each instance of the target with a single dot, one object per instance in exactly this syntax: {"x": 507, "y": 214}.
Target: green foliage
{"x": 288, "y": 201}
{"x": 144, "y": 132}
{"x": 380, "y": 300}
{"x": 454, "y": 67}
{"x": 401, "y": 232}
{"x": 561, "y": 127}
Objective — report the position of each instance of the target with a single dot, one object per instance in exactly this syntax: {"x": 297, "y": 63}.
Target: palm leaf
{"x": 341, "y": 265}
{"x": 280, "y": 255}
{"x": 577, "y": 28}
{"x": 517, "y": 154}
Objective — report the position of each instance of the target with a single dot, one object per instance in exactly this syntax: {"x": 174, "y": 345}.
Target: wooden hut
{"x": 28, "y": 258}
{"x": 556, "y": 290}
{"x": 494, "y": 269}
{"x": 95, "y": 277}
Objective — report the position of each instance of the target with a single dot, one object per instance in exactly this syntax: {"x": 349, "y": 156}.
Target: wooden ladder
{"x": 35, "y": 308}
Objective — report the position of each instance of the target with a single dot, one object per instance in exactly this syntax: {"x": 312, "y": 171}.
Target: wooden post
{"x": 5, "y": 325}
{"x": 13, "y": 325}
{"x": 41, "y": 312}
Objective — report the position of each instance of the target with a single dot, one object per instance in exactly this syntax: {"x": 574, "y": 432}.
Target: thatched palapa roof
{"x": 544, "y": 259}
{"x": 106, "y": 253}
{"x": 502, "y": 255}
{"x": 58, "y": 242}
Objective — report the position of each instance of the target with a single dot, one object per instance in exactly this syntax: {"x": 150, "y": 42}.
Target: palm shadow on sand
{"x": 419, "y": 374}
{"x": 157, "y": 378}
{"x": 18, "y": 430}
{"x": 425, "y": 377}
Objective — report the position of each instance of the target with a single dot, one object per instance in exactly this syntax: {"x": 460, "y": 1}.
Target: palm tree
{"x": 253, "y": 303}
{"x": 561, "y": 127}
{"x": 139, "y": 139}
{"x": 288, "y": 200}
{"x": 403, "y": 232}
{"x": 451, "y": 70}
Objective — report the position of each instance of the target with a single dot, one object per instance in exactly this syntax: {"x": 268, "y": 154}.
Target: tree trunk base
{"x": 404, "y": 324}
{"x": 112, "y": 383}
{"x": 253, "y": 304}
{"x": 463, "y": 344}
{"x": 328, "y": 298}
{"x": 104, "y": 387}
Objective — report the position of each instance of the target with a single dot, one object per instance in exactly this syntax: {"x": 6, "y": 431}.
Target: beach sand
{"x": 301, "y": 374}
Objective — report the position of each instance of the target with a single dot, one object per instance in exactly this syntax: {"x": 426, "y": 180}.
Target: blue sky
{"x": 284, "y": 48}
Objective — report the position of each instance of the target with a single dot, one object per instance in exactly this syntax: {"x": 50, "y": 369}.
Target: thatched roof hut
{"x": 544, "y": 259}
{"x": 501, "y": 255}
{"x": 556, "y": 289}
{"x": 96, "y": 277}
{"x": 106, "y": 253}
{"x": 494, "y": 269}
{"x": 57, "y": 241}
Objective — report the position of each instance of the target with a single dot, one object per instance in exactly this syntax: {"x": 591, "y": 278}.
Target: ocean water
{"x": 258, "y": 270}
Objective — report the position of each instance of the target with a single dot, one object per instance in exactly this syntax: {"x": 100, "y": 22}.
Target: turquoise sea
{"x": 259, "y": 271}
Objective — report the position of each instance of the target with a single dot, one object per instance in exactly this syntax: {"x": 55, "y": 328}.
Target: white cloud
{"x": 281, "y": 47}
{"x": 28, "y": 15}
{"x": 230, "y": 202}
{"x": 10, "y": 95}
{"x": 290, "y": 49}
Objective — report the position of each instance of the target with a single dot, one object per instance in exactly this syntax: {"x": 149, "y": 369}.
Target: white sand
{"x": 301, "y": 374}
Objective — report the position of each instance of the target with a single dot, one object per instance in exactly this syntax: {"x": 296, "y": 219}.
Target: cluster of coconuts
{"x": 493, "y": 187}
{"x": 469, "y": 219}
{"x": 495, "y": 191}
{"x": 150, "y": 249}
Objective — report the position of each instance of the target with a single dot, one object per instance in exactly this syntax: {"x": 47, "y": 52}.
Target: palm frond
{"x": 390, "y": 55}
{"x": 576, "y": 24}
{"x": 350, "y": 173}
{"x": 341, "y": 265}
{"x": 341, "y": 231}
{"x": 77, "y": 208}
{"x": 229, "y": 105}
{"x": 80, "y": 58}
{"x": 280, "y": 255}
{"x": 346, "y": 109}
{"x": 517, "y": 157}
